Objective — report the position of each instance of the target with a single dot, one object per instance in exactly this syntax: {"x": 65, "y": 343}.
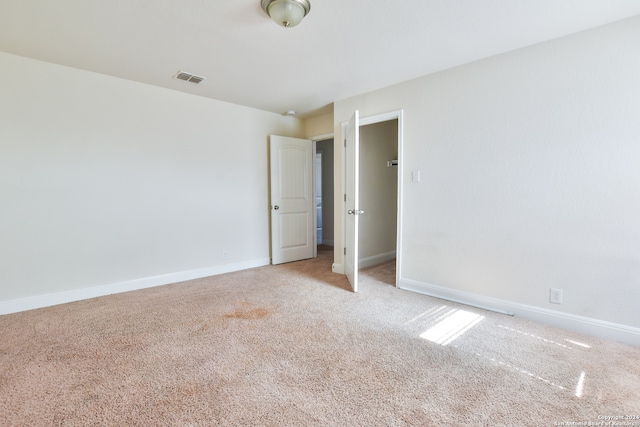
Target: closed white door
{"x": 292, "y": 200}
{"x": 352, "y": 205}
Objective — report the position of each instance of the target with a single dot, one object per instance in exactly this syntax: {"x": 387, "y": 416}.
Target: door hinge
{"x": 345, "y": 142}
{"x": 345, "y": 197}
{"x": 345, "y": 251}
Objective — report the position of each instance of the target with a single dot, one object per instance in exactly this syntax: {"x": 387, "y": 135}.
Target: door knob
{"x": 276, "y": 207}
{"x": 355, "y": 212}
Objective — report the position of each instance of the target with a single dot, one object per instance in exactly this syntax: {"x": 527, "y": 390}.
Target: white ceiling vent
{"x": 188, "y": 77}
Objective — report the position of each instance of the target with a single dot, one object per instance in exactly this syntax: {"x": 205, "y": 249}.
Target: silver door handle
{"x": 355, "y": 212}
{"x": 276, "y": 207}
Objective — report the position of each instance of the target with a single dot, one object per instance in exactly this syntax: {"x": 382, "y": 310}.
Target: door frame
{"x": 377, "y": 118}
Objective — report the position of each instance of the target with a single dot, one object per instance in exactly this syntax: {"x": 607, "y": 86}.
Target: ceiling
{"x": 341, "y": 49}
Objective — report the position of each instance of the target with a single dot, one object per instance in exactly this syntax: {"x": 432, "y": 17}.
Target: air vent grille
{"x": 188, "y": 77}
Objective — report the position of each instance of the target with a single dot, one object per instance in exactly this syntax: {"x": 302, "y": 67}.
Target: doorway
{"x": 324, "y": 192}
{"x": 291, "y": 199}
{"x": 378, "y": 156}
{"x": 301, "y": 197}
{"x": 354, "y": 209}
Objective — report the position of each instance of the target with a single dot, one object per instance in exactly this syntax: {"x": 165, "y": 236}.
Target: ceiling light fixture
{"x": 286, "y": 13}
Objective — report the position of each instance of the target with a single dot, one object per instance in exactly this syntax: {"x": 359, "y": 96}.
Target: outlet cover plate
{"x": 555, "y": 296}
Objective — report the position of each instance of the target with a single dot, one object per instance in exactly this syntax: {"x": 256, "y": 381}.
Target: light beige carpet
{"x": 289, "y": 345}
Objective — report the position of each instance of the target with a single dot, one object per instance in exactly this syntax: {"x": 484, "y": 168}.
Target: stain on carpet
{"x": 249, "y": 311}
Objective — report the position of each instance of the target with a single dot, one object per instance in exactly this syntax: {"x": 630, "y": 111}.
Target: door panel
{"x": 293, "y": 229}
{"x": 352, "y": 204}
{"x": 292, "y": 199}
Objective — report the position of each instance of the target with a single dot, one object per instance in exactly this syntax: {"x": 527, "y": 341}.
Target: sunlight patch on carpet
{"x": 578, "y": 343}
{"x": 580, "y": 386}
{"x": 535, "y": 337}
{"x": 520, "y": 370}
{"x": 431, "y": 312}
{"x": 451, "y": 326}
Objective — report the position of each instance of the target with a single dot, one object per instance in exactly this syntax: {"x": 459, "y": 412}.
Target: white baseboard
{"x": 376, "y": 259}
{"x": 584, "y": 325}
{"x": 46, "y": 300}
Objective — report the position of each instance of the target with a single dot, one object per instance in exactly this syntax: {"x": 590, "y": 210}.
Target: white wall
{"x": 104, "y": 181}
{"x": 378, "y": 192}
{"x": 319, "y": 125}
{"x": 530, "y": 179}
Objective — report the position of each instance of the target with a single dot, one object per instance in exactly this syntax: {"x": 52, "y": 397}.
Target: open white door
{"x": 292, "y": 200}
{"x": 352, "y": 141}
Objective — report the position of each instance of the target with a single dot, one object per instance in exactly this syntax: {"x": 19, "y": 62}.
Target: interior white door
{"x": 352, "y": 205}
{"x": 292, "y": 201}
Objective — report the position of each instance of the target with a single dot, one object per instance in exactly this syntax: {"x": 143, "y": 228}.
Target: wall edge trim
{"x": 584, "y": 325}
{"x": 376, "y": 259}
{"x": 63, "y": 297}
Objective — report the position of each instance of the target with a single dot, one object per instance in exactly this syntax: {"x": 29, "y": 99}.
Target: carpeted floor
{"x": 290, "y": 345}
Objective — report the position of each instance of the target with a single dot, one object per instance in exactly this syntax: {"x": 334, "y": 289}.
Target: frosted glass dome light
{"x": 286, "y": 13}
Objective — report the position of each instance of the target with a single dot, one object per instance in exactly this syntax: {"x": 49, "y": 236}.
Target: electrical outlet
{"x": 225, "y": 254}
{"x": 555, "y": 296}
